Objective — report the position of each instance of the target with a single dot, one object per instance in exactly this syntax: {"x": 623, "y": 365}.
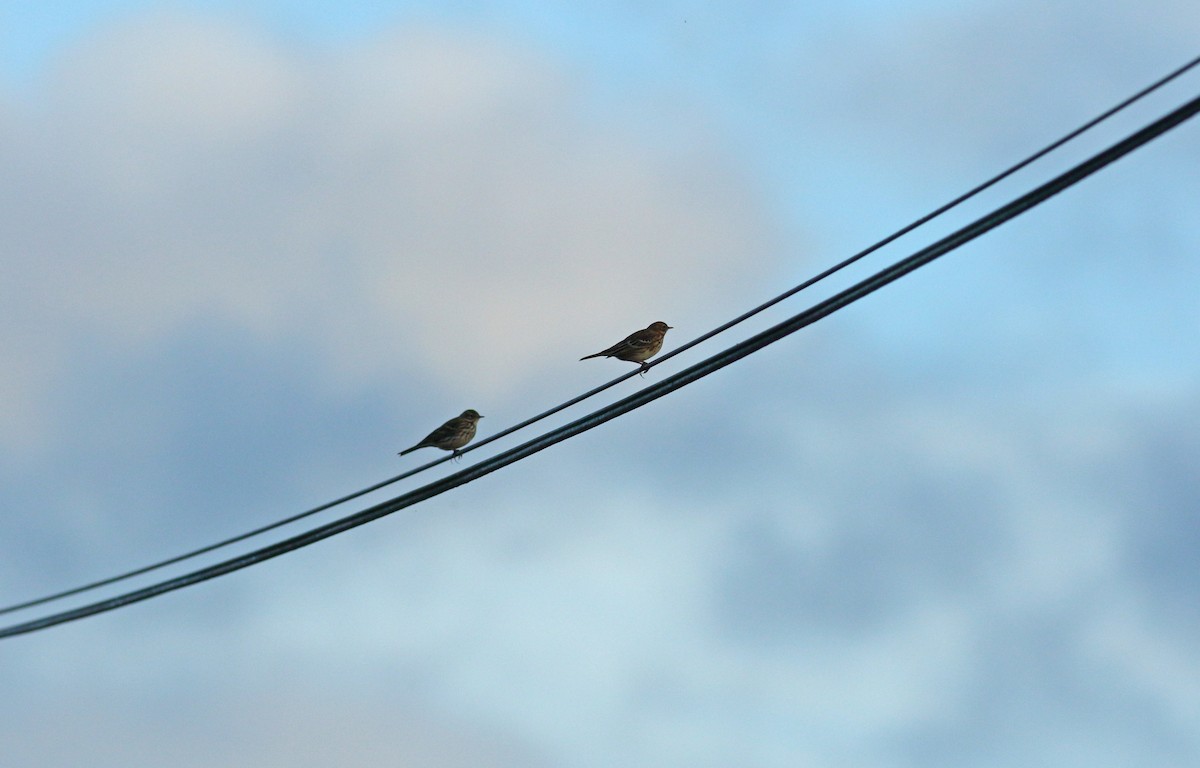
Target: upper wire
{"x": 624, "y": 377}
{"x": 647, "y": 394}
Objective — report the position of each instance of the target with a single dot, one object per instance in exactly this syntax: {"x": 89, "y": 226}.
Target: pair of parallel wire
{"x": 642, "y": 397}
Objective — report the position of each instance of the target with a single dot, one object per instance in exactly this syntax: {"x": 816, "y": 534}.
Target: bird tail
{"x": 408, "y": 450}
{"x": 588, "y": 357}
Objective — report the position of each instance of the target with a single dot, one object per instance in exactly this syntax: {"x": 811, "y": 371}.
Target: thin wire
{"x": 608, "y": 385}
{"x": 647, "y": 394}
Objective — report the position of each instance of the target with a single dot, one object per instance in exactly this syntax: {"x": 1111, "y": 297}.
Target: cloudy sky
{"x": 253, "y": 249}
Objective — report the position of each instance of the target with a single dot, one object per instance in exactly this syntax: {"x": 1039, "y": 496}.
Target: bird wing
{"x": 444, "y": 432}
{"x": 613, "y": 351}
{"x": 642, "y": 339}
{"x": 638, "y": 340}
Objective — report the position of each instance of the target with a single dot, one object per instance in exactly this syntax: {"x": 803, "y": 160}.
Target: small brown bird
{"x": 452, "y": 435}
{"x": 637, "y": 347}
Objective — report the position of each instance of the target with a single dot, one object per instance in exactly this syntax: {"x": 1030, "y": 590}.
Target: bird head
{"x": 660, "y": 326}
{"x": 471, "y": 414}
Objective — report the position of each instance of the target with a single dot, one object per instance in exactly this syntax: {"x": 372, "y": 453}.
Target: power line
{"x": 644, "y": 396}
{"x": 608, "y": 385}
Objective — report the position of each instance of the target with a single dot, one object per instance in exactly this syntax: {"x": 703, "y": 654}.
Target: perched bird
{"x": 452, "y": 435}
{"x": 637, "y": 347}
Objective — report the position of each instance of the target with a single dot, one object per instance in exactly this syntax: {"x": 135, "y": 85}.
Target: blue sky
{"x": 253, "y": 250}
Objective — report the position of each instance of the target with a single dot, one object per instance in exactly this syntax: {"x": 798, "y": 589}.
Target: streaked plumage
{"x": 637, "y": 347}
{"x": 452, "y": 435}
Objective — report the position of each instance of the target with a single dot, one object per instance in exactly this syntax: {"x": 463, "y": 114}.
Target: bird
{"x": 452, "y": 435}
{"x": 637, "y": 347}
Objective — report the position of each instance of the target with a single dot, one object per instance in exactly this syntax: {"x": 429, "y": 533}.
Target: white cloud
{"x": 438, "y": 203}
{"x": 1155, "y": 661}
{"x": 287, "y": 722}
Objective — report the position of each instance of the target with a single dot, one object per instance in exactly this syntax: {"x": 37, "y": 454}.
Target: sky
{"x": 252, "y": 250}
